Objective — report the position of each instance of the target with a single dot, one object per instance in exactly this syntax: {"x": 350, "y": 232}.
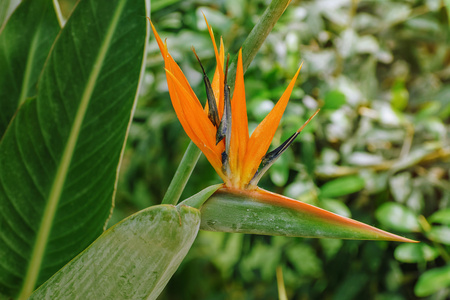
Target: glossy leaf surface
{"x": 262, "y": 212}
{"x": 132, "y": 260}
{"x": 59, "y": 157}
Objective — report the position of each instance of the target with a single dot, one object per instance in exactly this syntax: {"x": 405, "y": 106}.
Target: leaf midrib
{"x": 62, "y": 171}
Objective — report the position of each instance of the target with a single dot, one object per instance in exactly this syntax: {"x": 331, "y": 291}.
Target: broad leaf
{"x": 413, "y": 253}
{"x": 397, "y": 216}
{"x": 432, "y": 281}
{"x": 59, "y": 157}
{"x": 262, "y": 212}
{"x": 132, "y": 260}
{"x": 25, "y": 42}
{"x": 441, "y": 216}
{"x": 342, "y": 186}
{"x": 6, "y": 8}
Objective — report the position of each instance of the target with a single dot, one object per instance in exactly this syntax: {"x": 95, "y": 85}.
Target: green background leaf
{"x": 59, "y": 157}
{"x": 440, "y": 234}
{"x": 132, "y": 260}
{"x": 412, "y": 253}
{"x": 397, "y": 216}
{"x": 341, "y": 186}
{"x": 25, "y": 42}
{"x": 432, "y": 281}
{"x": 334, "y": 100}
{"x": 441, "y": 216}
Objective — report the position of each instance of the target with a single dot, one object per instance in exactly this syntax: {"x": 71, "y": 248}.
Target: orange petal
{"x": 194, "y": 114}
{"x": 177, "y": 105}
{"x": 218, "y": 80}
{"x": 162, "y": 48}
{"x": 195, "y": 123}
{"x": 261, "y": 138}
{"x": 239, "y": 128}
{"x": 170, "y": 63}
{"x": 189, "y": 111}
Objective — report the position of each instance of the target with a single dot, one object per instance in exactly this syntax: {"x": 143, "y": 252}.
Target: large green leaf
{"x": 59, "y": 157}
{"x": 262, "y": 212}
{"x": 25, "y": 42}
{"x": 132, "y": 260}
{"x": 6, "y": 8}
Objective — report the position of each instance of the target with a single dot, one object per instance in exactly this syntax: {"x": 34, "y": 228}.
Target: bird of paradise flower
{"x": 220, "y": 131}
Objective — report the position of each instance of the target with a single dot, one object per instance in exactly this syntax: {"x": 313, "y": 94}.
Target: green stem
{"x": 257, "y": 36}
{"x": 280, "y": 282}
{"x": 182, "y": 174}
{"x": 249, "y": 49}
{"x": 447, "y": 6}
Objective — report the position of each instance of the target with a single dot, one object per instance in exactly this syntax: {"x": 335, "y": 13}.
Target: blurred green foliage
{"x": 379, "y": 151}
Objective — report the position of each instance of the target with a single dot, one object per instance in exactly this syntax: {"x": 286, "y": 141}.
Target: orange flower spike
{"x": 218, "y": 80}
{"x": 194, "y": 114}
{"x": 195, "y": 122}
{"x": 215, "y": 85}
{"x": 189, "y": 111}
{"x": 170, "y": 63}
{"x": 161, "y": 45}
{"x": 262, "y": 137}
{"x": 239, "y": 129}
{"x": 236, "y": 158}
{"x": 176, "y": 103}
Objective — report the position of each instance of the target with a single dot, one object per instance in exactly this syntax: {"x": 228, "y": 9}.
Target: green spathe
{"x": 262, "y": 212}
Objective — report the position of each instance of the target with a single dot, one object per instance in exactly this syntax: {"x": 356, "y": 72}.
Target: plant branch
{"x": 257, "y": 36}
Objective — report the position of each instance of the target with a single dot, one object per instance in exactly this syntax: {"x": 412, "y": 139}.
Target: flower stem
{"x": 182, "y": 174}
{"x": 280, "y": 283}
{"x": 249, "y": 50}
{"x": 258, "y": 35}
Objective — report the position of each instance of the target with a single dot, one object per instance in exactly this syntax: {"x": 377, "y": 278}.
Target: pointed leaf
{"x": 262, "y": 212}
{"x": 198, "y": 199}
{"x": 25, "y": 42}
{"x": 59, "y": 157}
{"x": 132, "y": 260}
